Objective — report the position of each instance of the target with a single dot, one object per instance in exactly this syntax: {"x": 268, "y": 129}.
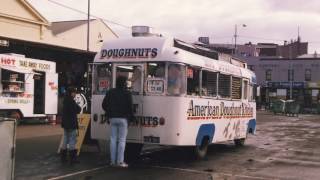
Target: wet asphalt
{"x": 283, "y": 148}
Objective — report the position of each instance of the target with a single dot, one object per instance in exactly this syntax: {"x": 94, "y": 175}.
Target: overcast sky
{"x": 266, "y": 20}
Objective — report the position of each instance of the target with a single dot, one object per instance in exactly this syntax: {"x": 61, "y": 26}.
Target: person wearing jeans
{"x": 119, "y": 130}
{"x": 70, "y": 125}
{"x": 118, "y": 107}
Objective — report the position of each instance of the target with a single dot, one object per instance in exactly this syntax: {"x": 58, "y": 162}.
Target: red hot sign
{"x": 8, "y": 61}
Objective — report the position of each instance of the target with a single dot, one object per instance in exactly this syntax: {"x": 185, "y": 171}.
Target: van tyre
{"x": 132, "y": 151}
{"x": 202, "y": 149}
{"x": 239, "y": 142}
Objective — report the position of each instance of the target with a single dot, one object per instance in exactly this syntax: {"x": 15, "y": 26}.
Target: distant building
{"x": 287, "y": 50}
{"x": 204, "y": 40}
{"x": 284, "y": 78}
{"x": 293, "y": 49}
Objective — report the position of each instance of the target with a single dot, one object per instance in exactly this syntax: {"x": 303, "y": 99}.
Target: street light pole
{"x": 291, "y": 79}
{"x": 235, "y": 38}
{"x": 88, "y": 26}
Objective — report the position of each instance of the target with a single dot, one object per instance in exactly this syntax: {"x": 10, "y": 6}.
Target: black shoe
{"x": 63, "y": 155}
{"x": 73, "y": 157}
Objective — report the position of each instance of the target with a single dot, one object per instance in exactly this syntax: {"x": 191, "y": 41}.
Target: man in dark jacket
{"x": 118, "y": 106}
{"x": 70, "y": 125}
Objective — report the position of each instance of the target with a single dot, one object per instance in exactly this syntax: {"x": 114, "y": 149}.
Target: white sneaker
{"x": 123, "y": 165}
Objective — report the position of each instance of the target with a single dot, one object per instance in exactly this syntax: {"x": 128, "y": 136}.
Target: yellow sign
{"x": 83, "y": 122}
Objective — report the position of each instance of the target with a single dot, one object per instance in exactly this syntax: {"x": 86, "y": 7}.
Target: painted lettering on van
{"x": 129, "y": 53}
{"x": 208, "y": 111}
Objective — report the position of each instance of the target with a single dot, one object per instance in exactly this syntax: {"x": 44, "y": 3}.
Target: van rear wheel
{"x": 202, "y": 149}
{"x": 239, "y": 142}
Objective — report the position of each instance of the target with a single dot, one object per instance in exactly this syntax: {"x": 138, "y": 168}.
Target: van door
{"x": 39, "y": 93}
{"x": 134, "y": 74}
{"x": 51, "y": 93}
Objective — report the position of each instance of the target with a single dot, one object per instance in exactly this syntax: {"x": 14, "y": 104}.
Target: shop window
{"x": 308, "y": 75}
{"x": 268, "y": 75}
{"x": 176, "y": 79}
{"x": 236, "y": 88}
{"x": 224, "y": 86}
{"x": 290, "y": 75}
{"x": 193, "y": 81}
{"x": 209, "y": 83}
{"x": 102, "y": 78}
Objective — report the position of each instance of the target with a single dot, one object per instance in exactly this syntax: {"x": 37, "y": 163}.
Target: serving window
{"x": 12, "y": 83}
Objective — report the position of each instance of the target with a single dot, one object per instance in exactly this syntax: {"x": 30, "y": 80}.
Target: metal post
{"x": 291, "y": 79}
{"x": 291, "y": 84}
{"x": 88, "y": 26}
{"x": 235, "y": 38}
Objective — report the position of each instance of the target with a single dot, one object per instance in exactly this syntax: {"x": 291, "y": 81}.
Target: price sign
{"x": 155, "y": 86}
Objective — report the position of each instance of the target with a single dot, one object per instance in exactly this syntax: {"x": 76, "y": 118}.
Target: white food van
{"x": 28, "y": 87}
{"x": 183, "y": 95}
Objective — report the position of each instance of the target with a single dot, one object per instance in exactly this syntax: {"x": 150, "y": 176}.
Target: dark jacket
{"x": 70, "y": 111}
{"x": 118, "y": 104}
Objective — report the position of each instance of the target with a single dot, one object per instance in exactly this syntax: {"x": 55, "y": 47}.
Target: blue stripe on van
{"x": 252, "y": 126}
{"x": 205, "y": 130}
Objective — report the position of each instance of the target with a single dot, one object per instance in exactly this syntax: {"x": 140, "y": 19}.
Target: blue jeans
{"x": 119, "y": 130}
{"x": 69, "y": 138}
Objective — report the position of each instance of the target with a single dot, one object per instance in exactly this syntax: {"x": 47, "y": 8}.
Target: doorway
{"x": 39, "y": 93}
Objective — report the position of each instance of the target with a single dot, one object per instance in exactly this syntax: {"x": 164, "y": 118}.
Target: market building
{"x": 283, "y": 78}
{"x": 26, "y": 32}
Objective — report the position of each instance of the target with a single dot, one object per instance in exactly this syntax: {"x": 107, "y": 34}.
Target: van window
{"x": 155, "y": 78}
{"x": 156, "y": 69}
{"x": 176, "y": 79}
{"x": 224, "y": 86}
{"x": 134, "y": 76}
{"x": 245, "y": 89}
{"x": 209, "y": 83}
{"x": 193, "y": 81}
{"x": 236, "y": 88}
{"x": 102, "y": 78}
